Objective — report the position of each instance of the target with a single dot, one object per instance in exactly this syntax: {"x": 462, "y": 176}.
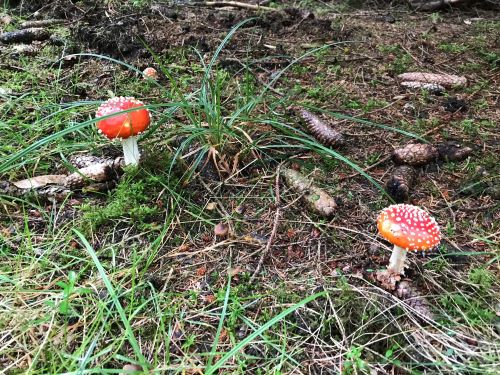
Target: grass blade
{"x": 258, "y": 332}
{"x": 126, "y": 324}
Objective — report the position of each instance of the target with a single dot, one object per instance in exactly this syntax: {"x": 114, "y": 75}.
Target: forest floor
{"x": 95, "y": 279}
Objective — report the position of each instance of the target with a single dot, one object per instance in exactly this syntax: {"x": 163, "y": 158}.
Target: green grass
{"x": 135, "y": 275}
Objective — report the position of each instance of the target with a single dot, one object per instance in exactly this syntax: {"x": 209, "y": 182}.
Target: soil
{"x": 376, "y": 40}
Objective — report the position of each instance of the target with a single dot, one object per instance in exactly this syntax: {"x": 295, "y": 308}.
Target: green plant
{"x": 482, "y": 277}
{"x": 354, "y": 361}
{"x": 63, "y": 306}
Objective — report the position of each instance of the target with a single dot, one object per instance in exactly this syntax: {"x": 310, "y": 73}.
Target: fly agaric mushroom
{"x": 408, "y": 228}
{"x": 150, "y": 73}
{"x": 124, "y": 126}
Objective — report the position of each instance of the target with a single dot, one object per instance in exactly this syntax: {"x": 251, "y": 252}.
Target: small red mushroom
{"x": 124, "y": 126}
{"x": 408, "y": 228}
{"x": 150, "y": 73}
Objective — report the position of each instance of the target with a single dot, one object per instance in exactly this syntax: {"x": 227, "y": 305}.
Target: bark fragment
{"x": 445, "y": 80}
{"x": 316, "y": 198}
{"x": 25, "y": 35}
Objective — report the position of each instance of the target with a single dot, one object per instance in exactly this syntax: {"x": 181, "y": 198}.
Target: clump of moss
{"x": 135, "y": 199}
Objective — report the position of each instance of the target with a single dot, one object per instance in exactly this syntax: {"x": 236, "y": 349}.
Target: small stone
{"x": 131, "y": 369}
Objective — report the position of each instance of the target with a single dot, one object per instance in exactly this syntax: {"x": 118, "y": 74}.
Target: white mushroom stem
{"x": 397, "y": 261}
{"x": 131, "y": 151}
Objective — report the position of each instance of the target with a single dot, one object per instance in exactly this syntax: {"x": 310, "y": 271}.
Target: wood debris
{"x": 25, "y": 35}
{"x": 444, "y": 80}
{"x": 316, "y": 198}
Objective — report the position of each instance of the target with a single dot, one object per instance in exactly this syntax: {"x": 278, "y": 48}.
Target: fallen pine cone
{"x": 406, "y": 292}
{"x": 318, "y": 200}
{"x": 401, "y": 182}
{"x": 95, "y": 173}
{"x": 326, "y": 134}
{"x": 445, "y": 80}
{"x": 58, "y": 187}
{"x": 453, "y": 151}
{"x": 415, "y": 154}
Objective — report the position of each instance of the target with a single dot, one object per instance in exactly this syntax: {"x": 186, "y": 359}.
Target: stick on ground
{"x": 275, "y": 227}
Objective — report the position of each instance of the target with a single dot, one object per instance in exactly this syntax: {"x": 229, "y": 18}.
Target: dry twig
{"x": 238, "y": 4}
{"x": 275, "y": 226}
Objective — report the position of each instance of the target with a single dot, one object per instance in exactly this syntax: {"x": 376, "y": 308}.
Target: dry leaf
{"x": 40, "y": 181}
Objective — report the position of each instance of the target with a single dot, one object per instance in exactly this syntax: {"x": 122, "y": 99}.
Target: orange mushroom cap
{"x": 408, "y": 227}
{"x": 126, "y": 124}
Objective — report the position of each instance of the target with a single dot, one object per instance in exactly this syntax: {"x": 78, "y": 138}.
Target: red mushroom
{"x": 408, "y": 228}
{"x": 150, "y": 73}
{"x": 124, "y": 126}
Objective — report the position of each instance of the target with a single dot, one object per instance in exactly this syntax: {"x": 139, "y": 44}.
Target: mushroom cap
{"x": 150, "y": 72}
{"x": 408, "y": 227}
{"x": 123, "y": 125}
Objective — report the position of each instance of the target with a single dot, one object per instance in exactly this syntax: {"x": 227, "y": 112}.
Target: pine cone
{"x": 406, "y": 292}
{"x": 320, "y": 130}
{"x": 453, "y": 151}
{"x": 95, "y": 173}
{"x": 401, "y": 182}
{"x": 86, "y": 160}
{"x": 415, "y": 154}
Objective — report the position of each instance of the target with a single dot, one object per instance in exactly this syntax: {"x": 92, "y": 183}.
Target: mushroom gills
{"x": 131, "y": 152}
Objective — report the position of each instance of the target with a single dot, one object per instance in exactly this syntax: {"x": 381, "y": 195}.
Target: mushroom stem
{"x": 397, "y": 260}
{"x": 130, "y": 151}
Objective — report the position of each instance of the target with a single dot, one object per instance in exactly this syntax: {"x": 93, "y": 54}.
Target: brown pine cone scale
{"x": 401, "y": 182}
